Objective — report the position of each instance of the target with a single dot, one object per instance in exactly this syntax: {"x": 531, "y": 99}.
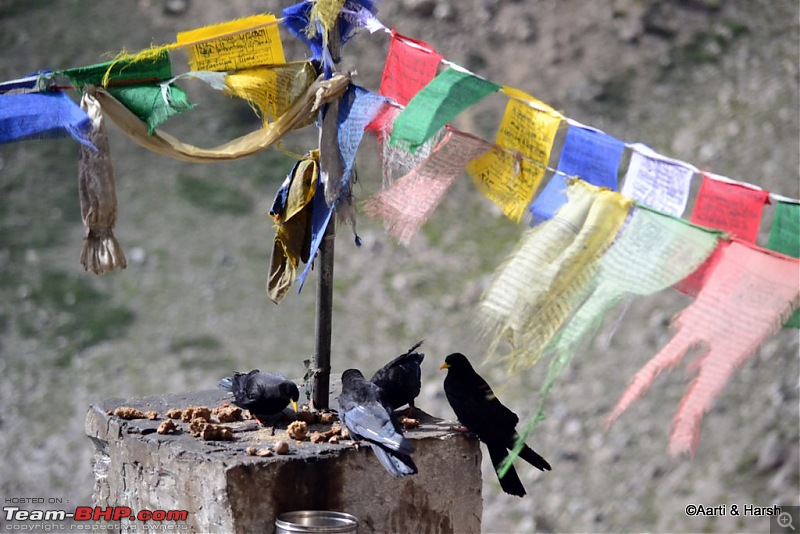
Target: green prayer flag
{"x": 152, "y": 103}
{"x": 141, "y": 70}
{"x": 436, "y": 104}
{"x": 785, "y": 238}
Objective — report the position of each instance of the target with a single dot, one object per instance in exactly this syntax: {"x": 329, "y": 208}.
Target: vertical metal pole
{"x": 320, "y": 384}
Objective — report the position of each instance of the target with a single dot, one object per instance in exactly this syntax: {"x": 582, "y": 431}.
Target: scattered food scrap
{"x": 281, "y": 447}
{"x": 297, "y": 430}
{"x": 167, "y": 427}
{"x": 196, "y": 412}
{"x": 127, "y": 413}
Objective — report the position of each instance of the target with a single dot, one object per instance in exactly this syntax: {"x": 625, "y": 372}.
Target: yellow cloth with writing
{"x": 535, "y": 290}
{"x": 511, "y": 181}
{"x": 236, "y": 44}
{"x": 271, "y": 88}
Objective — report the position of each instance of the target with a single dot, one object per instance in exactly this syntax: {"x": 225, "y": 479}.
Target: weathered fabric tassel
{"x": 101, "y": 252}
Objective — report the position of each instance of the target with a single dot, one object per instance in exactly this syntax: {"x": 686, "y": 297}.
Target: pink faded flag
{"x": 732, "y": 208}
{"x": 410, "y": 200}
{"x": 749, "y": 294}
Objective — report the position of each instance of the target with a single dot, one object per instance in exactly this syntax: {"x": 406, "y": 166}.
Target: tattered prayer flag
{"x": 507, "y": 179}
{"x": 236, "y": 44}
{"x": 658, "y": 182}
{"x": 651, "y": 253}
{"x": 41, "y": 115}
{"x": 356, "y": 109}
{"x": 271, "y": 88}
{"x": 785, "y": 238}
{"x": 534, "y": 291}
{"x": 590, "y": 155}
{"x": 101, "y": 251}
{"x": 154, "y": 104}
{"x": 749, "y": 297}
{"x": 733, "y": 208}
{"x": 153, "y": 67}
{"x": 410, "y": 201}
{"x": 438, "y": 103}
{"x": 410, "y": 66}
{"x": 325, "y": 13}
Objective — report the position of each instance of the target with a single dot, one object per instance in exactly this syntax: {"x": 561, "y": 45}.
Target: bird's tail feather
{"x": 533, "y": 458}
{"x": 397, "y": 464}
{"x": 510, "y": 483}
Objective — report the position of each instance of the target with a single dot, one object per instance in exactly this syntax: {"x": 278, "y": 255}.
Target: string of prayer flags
{"x": 784, "y": 237}
{"x": 447, "y": 95}
{"x": 27, "y": 84}
{"x": 656, "y": 181}
{"x": 291, "y": 212}
{"x": 589, "y": 154}
{"x": 652, "y": 252}
{"x": 101, "y": 252}
{"x": 410, "y": 66}
{"x": 304, "y": 108}
{"x": 730, "y": 207}
{"x": 528, "y": 128}
{"x": 236, "y": 44}
{"x": 408, "y": 203}
{"x": 359, "y": 14}
{"x": 532, "y": 294}
{"x": 750, "y": 295}
{"x": 41, "y": 115}
{"x": 272, "y": 89}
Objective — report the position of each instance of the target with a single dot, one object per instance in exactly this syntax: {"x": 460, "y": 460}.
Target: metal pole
{"x": 320, "y": 381}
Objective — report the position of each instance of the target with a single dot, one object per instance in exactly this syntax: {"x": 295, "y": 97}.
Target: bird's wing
{"x": 478, "y": 409}
{"x": 397, "y": 464}
{"x": 372, "y": 422}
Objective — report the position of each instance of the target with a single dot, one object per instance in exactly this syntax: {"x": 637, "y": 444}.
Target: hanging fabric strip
{"x": 356, "y": 109}
{"x": 155, "y": 67}
{"x": 301, "y": 111}
{"x": 658, "y": 182}
{"x": 101, "y": 252}
{"x": 410, "y": 201}
{"x": 236, "y": 44}
{"x": 729, "y": 207}
{"x": 447, "y": 95}
{"x": 534, "y": 291}
{"x": 589, "y": 154}
{"x": 750, "y": 295}
{"x": 40, "y": 116}
{"x": 153, "y": 104}
{"x": 784, "y": 237}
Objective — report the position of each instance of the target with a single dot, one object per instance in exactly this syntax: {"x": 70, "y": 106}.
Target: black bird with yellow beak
{"x": 263, "y": 394}
{"x": 476, "y": 406}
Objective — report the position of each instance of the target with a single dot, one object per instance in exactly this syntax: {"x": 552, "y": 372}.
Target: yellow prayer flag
{"x": 271, "y": 88}
{"x": 508, "y": 181}
{"x": 326, "y": 12}
{"x": 235, "y": 44}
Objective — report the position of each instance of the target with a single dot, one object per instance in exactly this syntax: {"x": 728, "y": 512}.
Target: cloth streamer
{"x": 447, "y": 95}
{"x": 784, "y": 237}
{"x": 733, "y": 208}
{"x": 656, "y": 181}
{"x": 528, "y": 129}
{"x": 301, "y": 111}
{"x": 534, "y": 291}
{"x": 410, "y": 201}
{"x": 101, "y": 252}
{"x": 589, "y": 154}
{"x": 651, "y": 253}
{"x": 410, "y": 66}
{"x": 749, "y": 295}
{"x": 41, "y": 115}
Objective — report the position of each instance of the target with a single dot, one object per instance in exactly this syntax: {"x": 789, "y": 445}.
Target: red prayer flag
{"x": 410, "y": 66}
{"x": 732, "y": 208}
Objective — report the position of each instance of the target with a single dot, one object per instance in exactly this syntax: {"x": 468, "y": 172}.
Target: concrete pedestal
{"x": 226, "y": 490}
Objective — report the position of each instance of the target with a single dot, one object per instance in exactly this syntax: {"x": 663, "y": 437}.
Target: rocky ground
{"x": 709, "y": 82}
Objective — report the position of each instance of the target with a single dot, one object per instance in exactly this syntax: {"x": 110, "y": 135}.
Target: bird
{"x": 482, "y": 413}
{"x": 400, "y": 379}
{"x": 368, "y": 417}
{"x": 263, "y": 394}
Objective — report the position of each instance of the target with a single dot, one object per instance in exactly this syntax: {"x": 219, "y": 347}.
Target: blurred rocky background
{"x": 711, "y": 82}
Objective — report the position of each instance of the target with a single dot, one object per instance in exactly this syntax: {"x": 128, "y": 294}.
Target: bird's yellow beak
{"x": 294, "y": 405}
{"x": 445, "y": 365}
